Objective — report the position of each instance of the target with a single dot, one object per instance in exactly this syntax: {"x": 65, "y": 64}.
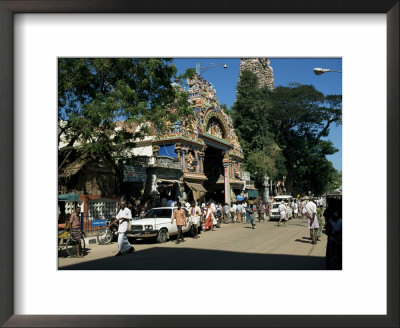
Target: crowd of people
{"x": 210, "y": 214}
{"x": 240, "y": 211}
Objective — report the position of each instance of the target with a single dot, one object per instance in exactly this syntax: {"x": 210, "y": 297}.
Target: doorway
{"x": 214, "y": 171}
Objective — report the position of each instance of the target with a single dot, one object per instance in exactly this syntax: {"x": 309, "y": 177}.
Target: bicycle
{"x": 106, "y": 235}
{"x": 66, "y": 242}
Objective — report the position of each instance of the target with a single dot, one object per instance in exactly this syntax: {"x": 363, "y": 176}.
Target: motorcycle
{"x": 218, "y": 218}
{"x": 108, "y": 234}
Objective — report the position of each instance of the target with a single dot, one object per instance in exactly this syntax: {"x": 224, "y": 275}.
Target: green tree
{"x": 282, "y": 132}
{"x": 250, "y": 114}
{"x": 335, "y": 181}
{"x": 300, "y": 118}
{"x": 95, "y": 93}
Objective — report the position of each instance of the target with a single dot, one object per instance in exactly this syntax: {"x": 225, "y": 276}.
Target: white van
{"x": 274, "y": 213}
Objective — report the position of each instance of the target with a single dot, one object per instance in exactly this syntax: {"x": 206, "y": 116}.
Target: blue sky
{"x": 286, "y": 70}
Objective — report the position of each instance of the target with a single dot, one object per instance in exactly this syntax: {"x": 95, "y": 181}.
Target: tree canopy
{"x": 95, "y": 93}
{"x": 250, "y": 114}
{"x": 282, "y": 132}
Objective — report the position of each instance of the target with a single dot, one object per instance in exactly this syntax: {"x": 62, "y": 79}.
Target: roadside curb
{"x": 90, "y": 240}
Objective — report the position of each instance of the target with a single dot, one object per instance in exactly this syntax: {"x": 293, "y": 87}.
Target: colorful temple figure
{"x": 190, "y": 162}
{"x": 214, "y": 128}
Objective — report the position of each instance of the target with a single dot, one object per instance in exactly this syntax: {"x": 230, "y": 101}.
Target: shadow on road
{"x": 303, "y": 241}
{"x": 179, "y": 258}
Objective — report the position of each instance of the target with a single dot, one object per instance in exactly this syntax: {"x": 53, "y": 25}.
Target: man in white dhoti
{"x": 123, "y": 217}
{"x": 312, "y": 220}
{"x": 282, "y": 211}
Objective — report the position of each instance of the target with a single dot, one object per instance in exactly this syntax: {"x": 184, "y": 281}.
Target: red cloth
{"x": 208, "y": 222}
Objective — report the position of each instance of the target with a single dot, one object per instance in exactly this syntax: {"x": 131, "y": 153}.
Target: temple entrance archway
{"x": 214, "y": 171}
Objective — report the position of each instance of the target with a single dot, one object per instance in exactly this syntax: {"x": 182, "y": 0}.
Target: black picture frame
{"x": 10, "y": 7}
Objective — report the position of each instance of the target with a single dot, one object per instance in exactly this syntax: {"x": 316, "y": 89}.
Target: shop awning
{"x": 250, "y": 187}
{"x": 236, "y": 181}
{"x": 252, "y": 193}
{"x": 68, "y": 198}
{"x": 197, "y": 189}
{"x": 196, "y": 186}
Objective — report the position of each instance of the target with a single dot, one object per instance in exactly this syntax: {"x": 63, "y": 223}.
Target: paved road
{"x": 231, "y": 247}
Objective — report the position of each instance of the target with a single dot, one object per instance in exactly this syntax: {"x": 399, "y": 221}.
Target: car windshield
{"x": 159, "y": 213}
{"x": 275, "y": 206}
{"x": 286, "y": 200}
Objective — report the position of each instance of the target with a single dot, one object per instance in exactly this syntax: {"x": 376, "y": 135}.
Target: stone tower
{"x": 260, "y": 67}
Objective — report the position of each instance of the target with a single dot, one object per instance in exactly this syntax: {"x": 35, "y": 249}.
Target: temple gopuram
{"x": 200, "y": 160}
{"x": 260, "y": 67}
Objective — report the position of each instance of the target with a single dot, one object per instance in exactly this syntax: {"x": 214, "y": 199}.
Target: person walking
{"x": 180, "y": 217}
{"x": 312, "y": 220}
{"x": 296, "y": 209}
{"x": 244, "y": 212}
{"x": 209, "y": 218}
{"x": 76, "y": 232}
{"x": 213, "y": 207}
{"x": 123, "y": 217}
{"x": 282, "y": 211}
{"x": 267, "y": 210}
{"x": 233, "y": 212}
{"x": 219, "y": 214}
{"x": 260, "y": 211}
{"x": 195, "y": 214}
{"x": 252, "y": 216}
{"x": 239, "y": 213}
{"x": 254, "y": 210}
{"x": 303, "y": 211}
{"x": 227, "y": 218}
{"x": 247, "y": 214}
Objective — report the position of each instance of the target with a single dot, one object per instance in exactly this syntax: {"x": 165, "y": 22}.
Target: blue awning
{"x": 239, "y": 198}
{"x": 68, "y": 198}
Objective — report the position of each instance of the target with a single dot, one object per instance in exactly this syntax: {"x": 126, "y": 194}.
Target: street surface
{"x": 231, "y": 247}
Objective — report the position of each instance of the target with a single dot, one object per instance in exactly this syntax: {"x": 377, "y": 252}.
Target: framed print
{"x": 35, "y": 34}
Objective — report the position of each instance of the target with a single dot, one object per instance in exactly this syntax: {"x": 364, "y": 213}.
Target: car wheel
{"x": 162, "y": 236}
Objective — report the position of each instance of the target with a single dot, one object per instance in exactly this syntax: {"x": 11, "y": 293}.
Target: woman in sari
{"x": 209, "y": 218}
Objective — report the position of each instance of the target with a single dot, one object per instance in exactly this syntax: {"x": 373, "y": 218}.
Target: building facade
{"x": 197, "y": 160}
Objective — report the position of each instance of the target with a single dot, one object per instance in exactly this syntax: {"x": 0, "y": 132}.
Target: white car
{"x": 157, "y": 223}
{"x": 276, "y": 215}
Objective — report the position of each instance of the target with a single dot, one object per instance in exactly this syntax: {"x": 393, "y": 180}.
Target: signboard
{"x": 134, "y": 173}
{"x": 168, "y": 174}
{"x": 246, "y": 176}
{"x": 252, "y": 193}
{"x": 167, "y": 163}
{"x": 97, "y": 223}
